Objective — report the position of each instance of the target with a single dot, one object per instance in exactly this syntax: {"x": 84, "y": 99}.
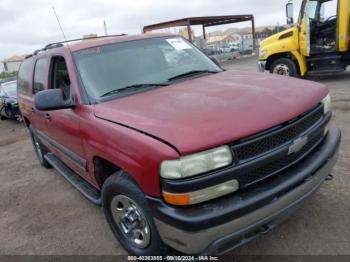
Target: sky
{"x": 26, "y": 25}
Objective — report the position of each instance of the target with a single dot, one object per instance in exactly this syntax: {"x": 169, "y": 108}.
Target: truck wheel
{"x": 284, "y": 66}
{"x": 40, "y": 149}
{"x": 127, "y": 213}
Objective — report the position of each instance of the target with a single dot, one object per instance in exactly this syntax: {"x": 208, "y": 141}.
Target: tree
{"x": 8, "y": 74}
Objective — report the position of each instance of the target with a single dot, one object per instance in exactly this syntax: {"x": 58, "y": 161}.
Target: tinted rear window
{"x": 25, "y": 77}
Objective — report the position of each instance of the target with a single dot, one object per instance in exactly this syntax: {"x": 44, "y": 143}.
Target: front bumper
{"x": 224, "y": 224}
{"x": 261, "y": 66}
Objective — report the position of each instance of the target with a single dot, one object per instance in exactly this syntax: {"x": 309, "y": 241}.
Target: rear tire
{"x": 284, "y": 66}
{"x": 129, "y": 216}
{"x": 40, "y": 149}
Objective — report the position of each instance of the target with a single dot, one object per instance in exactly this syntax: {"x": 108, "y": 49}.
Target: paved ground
{"x": 42, "y": 214}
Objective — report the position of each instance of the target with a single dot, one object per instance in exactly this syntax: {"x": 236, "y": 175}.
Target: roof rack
{"x": 60, "y": 44}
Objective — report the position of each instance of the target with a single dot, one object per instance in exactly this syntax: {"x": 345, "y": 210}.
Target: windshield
{"x": 10, "y": 89}
{"x": 109, "y": 68}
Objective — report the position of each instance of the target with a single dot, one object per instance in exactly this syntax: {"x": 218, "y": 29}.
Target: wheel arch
{"x": 26, "y": 121}
{"x": 103, "y": 169}
{"x": 294, "y": 56}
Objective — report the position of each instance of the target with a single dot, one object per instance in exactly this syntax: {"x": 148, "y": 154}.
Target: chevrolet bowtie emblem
{"x": 297, "y": 145}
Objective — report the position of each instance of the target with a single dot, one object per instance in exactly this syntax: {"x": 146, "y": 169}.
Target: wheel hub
{"x": 131, "y": 221}
{"x": 281, "y": 69}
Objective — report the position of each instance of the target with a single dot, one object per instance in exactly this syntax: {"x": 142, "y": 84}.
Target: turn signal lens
{"x": 177, "y": 199}
{"x": 202, "y": 195}
{"x": 262, "y": 53}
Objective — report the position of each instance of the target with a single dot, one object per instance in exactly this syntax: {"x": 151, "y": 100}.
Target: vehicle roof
{"x": 93, "y": 42}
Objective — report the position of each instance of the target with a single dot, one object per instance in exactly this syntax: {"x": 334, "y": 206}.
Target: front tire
{"x": 284, "y": 67}
{"x": 129, "y": 216}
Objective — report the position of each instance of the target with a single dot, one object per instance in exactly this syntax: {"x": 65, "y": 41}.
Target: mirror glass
{"x": 290, "y": 10}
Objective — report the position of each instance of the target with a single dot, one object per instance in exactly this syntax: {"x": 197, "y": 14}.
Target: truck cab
{"x": 318, "y": 44}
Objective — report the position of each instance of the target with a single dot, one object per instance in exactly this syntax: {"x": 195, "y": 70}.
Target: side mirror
{"x": 52, "y": 99}
{"x": 290, "y": 13}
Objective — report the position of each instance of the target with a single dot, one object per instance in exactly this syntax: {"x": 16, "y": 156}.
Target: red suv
{"x": 178, "y": 151}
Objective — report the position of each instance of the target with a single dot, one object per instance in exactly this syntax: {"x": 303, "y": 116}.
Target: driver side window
{"x": 60, "y": 77}
{"x": 310, "y": 9}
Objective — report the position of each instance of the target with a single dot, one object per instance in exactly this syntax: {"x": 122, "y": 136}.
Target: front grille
{"x": 250, "y": 150}
{"x": 278, "y": 136}
{"x": 253, "y": 176}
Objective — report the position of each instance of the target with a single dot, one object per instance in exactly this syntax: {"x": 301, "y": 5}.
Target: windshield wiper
{"x": 193, "y": 72}
{"x": 131, "y": 87}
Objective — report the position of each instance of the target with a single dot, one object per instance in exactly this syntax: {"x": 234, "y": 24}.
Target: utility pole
{"x": 105, "y": 27}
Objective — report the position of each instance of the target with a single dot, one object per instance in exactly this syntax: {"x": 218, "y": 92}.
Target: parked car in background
{"x": 178, "y": 151}
{"x": 246, "y": 52}
{"x": 9, "y": 108}
{"x": 212, "y": 50}
{"x": 8, "y": 79}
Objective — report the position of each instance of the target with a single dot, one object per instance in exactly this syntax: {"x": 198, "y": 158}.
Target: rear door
{"x": 40, "y": 79}
{"x": 24, "y": 88}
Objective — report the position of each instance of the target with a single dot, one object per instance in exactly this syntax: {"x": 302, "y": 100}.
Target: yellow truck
{"x": 317, "y": 45}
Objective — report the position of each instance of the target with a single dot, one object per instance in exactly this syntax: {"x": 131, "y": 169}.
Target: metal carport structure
{"x": 204, "y": 21}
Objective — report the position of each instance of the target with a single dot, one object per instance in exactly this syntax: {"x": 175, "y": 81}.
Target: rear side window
{"x": 25, "y": 75}
{"x": 40, "y": 75}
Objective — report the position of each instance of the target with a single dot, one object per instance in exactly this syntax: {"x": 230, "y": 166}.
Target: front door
{"x": 308, "y": 14}
{"x": 304, "y": 37}
{"x": 63, "y": 126}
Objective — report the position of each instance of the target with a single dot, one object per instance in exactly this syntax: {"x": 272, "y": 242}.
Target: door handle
{"x": 48, "y": 116}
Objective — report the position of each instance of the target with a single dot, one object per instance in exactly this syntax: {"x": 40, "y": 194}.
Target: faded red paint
{"x": 214, "y": 110}
{"x": 192, "y": 116}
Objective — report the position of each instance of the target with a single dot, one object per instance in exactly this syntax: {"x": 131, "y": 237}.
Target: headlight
{"x": 327, "y": 103}
{"x": 262, "y": 53}
{"x": 196, "y": 164}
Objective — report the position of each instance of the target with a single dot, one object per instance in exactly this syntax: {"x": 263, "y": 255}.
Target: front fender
{"x": 285, "y": 43}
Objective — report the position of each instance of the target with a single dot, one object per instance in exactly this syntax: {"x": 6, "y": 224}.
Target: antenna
{"x": 59, "y": 24}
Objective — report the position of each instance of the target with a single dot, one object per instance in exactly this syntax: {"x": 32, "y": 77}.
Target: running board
{"x": 79, "y": 183}
{"x": 324, "y": 72}
{"x": 323, "y": 58}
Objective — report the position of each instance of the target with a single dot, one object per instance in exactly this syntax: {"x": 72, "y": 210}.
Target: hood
{"x": 278, "y": 36}
{"x": 284, "y": 41}
{"x": 218, "y": 109}
{"x": 11, "y": 100}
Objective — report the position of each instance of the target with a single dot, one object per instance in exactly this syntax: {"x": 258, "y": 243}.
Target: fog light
{"x": 185, "y": 199}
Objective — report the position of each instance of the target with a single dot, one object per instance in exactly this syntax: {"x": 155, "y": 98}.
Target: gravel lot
{"x": 43, "y": 214}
